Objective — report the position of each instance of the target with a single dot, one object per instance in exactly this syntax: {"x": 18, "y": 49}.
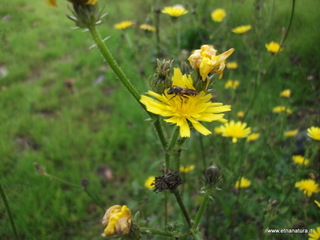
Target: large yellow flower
{"x": 314, "y": 133}
{"x": 117, "y": 221}
{"x": 182, "y": 109}
{"x": 206, "y": 61}
{"x": 308, "y": 187}
{"x": 235, "y": 130}
{"x": 175, "y": 11}
{"x": 315, "y": 234}
{"x": 218, "y": 14}
{"x": 242, "y": 183}
{"x": 241, "y": 29}
{"x": 273, "y": 47}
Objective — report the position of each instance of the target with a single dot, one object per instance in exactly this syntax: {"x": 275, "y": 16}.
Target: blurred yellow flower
{"x": 218, "y": 130}
{"x": 123, "y": 25}
{"x": 243, "y": 183}
{"x": 300, "y": 160}
{"x": 280, "y": 109}
{"x": 232, "y": 65}
{"x": 233, "y": 84}
{"x": 308, "y": 187}
{"x": 183, "y": 109}
{"x": 253, "y": 137}
{"x": 186, "y": 169}
{"x": 235, "y": 130}
{"x": 314, "y": 133}
{"x": 317, "y": 203}
{"x": 285, "y": 93}
{"x": 240, "y": 114}
{"x": 273, "y": 47}
{"x": 206, "y": 61}
{"x": 52, "y": 3}
{"x": 149, "y": 182}
{"x": 241, "y": 29}
{"x": 315, "y": 234}
{"x": 291, "y": 133}
{"x": 175, "y": 11}
{"x": 218, "y": 14}
{"x": 147, "y": 27}
{"x": 117, "y": 221}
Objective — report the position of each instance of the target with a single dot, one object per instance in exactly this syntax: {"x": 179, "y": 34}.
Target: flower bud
{"x": 211, "y": 175}
{"x": 86, "y": 13}
{"x": 161, "y": 80}
{"x": 117, "y": 221}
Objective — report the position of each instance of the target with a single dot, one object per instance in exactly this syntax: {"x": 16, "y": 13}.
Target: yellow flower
{"x": 117, "y": 221}
{"x": 285, "y": 93}
{"x": 186, "y": 169}
{"x": 123, "y": 25}
{"x": 241, "y": 29}
{"x": 52, "y": 3}
{"x": 182, "y": 109}
{"x": 314, "y": 133}
{"x": 149, "y": 182}
{"x": 315, "y": 234}
{"x": 273, "y": 47}
{"x": 243, "y": 183}
{"x": 232, "y": 65}
{"x": 317, "y": 203}
{"x": 232, "y": 84}
{"x": 240, "y": 114}
{"x": 235, "y": 130}
{"x": 280, "y": 109}
{"x": 253, "y": 137}
{"x": 175, "y": 11}
{"x": 291, "y": 133}
{"x": 218, "y": 130}
{"x": 147, "y": 27}
{"x": 206, "y": 61}
{"x": 300, "y": 160}
{"x": 218, "y": 14}
{"x": 308, "y": 187}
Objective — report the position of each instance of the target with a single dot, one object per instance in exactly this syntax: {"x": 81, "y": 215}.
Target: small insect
{"x": 181, "y": 92}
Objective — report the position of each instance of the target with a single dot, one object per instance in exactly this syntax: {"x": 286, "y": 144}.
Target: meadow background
{"x": 64, "y": 109}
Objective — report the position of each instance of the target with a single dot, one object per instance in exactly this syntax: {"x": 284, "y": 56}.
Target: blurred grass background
{"x": 63, "y": 108}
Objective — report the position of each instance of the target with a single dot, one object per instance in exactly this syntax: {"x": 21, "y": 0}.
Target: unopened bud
{"x": 211, "y": 175}
{"x": 161, "y": 79}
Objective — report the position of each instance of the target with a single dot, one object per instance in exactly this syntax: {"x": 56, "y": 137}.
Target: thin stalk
{"x": 183, "y": 208}
{"x": 157, "y": 232}
{"x": 200, "y": 212}
{"x": 168, "y": 153}
{"x": 7, "y": 207}
{"x": 124, "y": 80}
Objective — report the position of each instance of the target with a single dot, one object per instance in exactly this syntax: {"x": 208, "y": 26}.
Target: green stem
{"x": 183, "y": 208}
{"x": 203, "y": 206}
{"x": 7, "y": 207}
{"x": 113, "y": 64}
{"x": 157, "y": 232}
{"x": 124, "y": 80}
{"x": 168, "y": 153}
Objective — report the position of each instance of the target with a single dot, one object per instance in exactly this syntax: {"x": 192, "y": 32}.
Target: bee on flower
{"x": 183, "y": 106}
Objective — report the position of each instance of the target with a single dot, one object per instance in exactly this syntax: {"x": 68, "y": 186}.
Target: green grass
{"x": 76, "y": 132}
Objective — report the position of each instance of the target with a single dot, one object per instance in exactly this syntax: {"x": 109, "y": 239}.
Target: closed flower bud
{"x": 117, "y": 221}
{"x": 211, "y": 175}
{"x": 86, "y": 13}
{"x": 161, "y": 80}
